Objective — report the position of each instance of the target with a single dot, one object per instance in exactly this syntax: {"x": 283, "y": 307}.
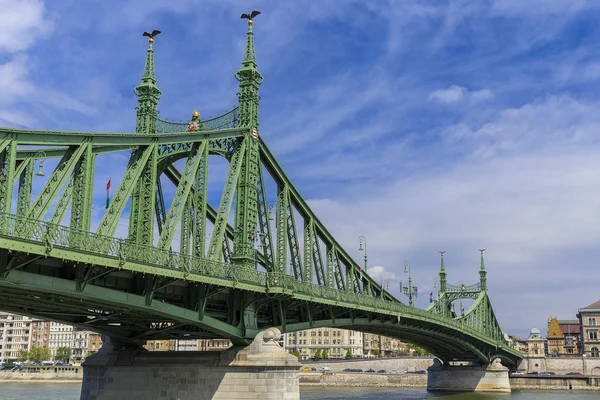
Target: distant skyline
{"x": 422, "y": 125}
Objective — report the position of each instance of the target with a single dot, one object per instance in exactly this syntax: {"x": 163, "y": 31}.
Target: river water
{"x": 70, "y": 391}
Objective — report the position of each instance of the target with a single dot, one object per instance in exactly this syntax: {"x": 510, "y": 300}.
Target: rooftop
{"x": 593, "y": 306}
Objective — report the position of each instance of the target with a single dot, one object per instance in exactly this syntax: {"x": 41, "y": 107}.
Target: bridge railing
{"x": 223, "y": 121}
{"x": 463, "y": 288}
{"x": 52, "y": 235}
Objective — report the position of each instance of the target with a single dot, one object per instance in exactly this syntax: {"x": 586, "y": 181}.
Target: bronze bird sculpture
{"x": 250, "y": 16}
{"x": 151, "y": 35}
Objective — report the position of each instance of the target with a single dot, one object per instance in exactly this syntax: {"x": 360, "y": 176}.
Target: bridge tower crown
{"x": 148, "y": 95}
{"x": 442, "y": 274}
{"x": 247, "y": 187}
{"x": 482, "y": 274}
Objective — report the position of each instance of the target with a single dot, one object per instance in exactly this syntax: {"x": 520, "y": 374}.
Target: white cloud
{"x": 457, "y": 94}
{"x": 529, "y": 205}
{"x": 23, "y": 22}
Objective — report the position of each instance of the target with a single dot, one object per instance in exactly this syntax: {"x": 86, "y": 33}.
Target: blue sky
{"x": 423, "y": 125}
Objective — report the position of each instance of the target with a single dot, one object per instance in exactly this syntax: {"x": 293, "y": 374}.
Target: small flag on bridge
{"x": 360, "y": 274}
{"x": 108, "y": 192}
{"x": 255, "y": 134}
{"x": 398, "y": 319}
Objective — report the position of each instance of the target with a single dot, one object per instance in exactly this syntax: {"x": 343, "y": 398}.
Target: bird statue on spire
{"x": 250, "y": 16}
{"x": 151, "y": 35}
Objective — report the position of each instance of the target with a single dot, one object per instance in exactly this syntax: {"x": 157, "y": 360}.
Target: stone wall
{"x": 362, "y": 380}
{"x": 555, "y": 382}
{"x": 260, "y": 371}
{"x": 400, "y": 363}
{"x": 563, "y": 365}
{"x": 491, "y": 378}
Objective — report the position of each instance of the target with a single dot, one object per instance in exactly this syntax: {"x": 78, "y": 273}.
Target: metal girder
{"x": 265, "y": 236}
{"x": 294, "y": 244}
{"x": 281, "y": 227}
{"x": 181, "y": 195}
{"x": 217, "y": 237}
{"x": 275, "y": 170}
{"x": 201, "y": 206}
{"x": 25, "y": 174}
{"x": 82, "y": 187}
{"x": 136, "y": 165}
{"x": 56, "y": 181}
{"x": 8, "y": 151}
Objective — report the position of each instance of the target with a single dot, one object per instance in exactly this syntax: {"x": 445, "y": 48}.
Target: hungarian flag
{"x": 360, "y": 274}
{"x": 108, "y": 192}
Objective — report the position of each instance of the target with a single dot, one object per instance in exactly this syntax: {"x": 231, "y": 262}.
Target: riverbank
{"x": 533, "y": 382}
{"x": 349, "y": 379}
{"x": 39, "y": 377}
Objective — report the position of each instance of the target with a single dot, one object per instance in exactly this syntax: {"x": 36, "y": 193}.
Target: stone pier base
{"x": 493, "y": 378}
{"x": 262, "y": 370}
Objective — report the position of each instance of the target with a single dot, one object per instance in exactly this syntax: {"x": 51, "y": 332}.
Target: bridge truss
{"x": 239, "y": 266}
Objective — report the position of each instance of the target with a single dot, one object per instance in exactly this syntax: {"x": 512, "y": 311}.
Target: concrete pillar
{"x": 262, "y": 370}
{"x": 492, "y": 378}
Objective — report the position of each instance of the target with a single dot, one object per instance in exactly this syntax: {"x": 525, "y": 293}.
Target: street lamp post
{"x": 40, "y": 155}
{"x": 270, "y": 206}
{"x": 408, "y": 290}
{"x": 363, "y": 240}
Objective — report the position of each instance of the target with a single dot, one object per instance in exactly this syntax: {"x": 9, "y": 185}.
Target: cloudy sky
{"x": 422, "y": 125}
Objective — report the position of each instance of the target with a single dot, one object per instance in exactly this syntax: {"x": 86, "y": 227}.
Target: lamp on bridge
{"x": 40, "y": 155}
{"x": 363, "y": 240}
{"x": 270, "y": 206}
{"x": 410, "y": 290}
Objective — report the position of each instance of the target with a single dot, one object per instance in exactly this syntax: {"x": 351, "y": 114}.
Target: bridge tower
{"x": 246, "y": 191}
{"x": 141, "y": 221}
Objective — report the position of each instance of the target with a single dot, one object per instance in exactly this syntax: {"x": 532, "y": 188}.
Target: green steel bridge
{"x": 216, "y": 282}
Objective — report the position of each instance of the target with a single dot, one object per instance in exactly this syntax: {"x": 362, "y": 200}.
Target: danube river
{"x": 59, "y": 391}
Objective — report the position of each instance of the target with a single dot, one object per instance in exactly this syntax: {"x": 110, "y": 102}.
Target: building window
{"x": 593, "y": 335}
{"x": 592, "y": 321}
{"x": 594, "y": 352}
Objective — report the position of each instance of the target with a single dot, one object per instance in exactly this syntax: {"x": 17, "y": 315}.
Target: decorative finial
{"x": 250, "y": 16}
{"x": 481, "y": 251}
{"x": 195, "y": 113}
{"x": 442, "y": 253}
{"x": 151, "y": 35}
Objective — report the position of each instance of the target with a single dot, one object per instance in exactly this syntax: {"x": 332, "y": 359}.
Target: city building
{"x": 572, "y": 331}
{"x": 40, "y": 333}
{"x": 555, "y": 337}
{"x": 14, "y": 336}
{"x": 161, "y": 345}
{"x": 335, "y": 341}
{"x": 535, "y": 344}
{"x": 589, "y": 321}
{"x": 535, "y": 356}
{"x": 382, "y": 346}
{"x": 213, "y": 344}
{"x": 94, "y": 343}
{"x": 61, "y": 335}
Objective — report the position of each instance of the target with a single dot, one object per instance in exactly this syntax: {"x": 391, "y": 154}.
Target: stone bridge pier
{"x": 471, "y": 378}
{"x": 263, "y": 370}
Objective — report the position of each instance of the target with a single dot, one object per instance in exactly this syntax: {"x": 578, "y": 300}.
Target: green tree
{"x": 348, "y": 353}
{"x": 318, "y": 354}
{"x": 297, "y": 354}
{"x": 325, "y": 355}
{"x": 38, "y": 354}
{"x": 63, "y": 354}
{"x": 376, "y": 352}
{"x": 23, "y": 355}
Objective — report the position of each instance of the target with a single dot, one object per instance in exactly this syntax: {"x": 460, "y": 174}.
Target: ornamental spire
{"x": 249, "y": 79}
{"x": 147, "y": 92}
{"x": 482, "y": 273}
{"x": 442, "y": 274}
